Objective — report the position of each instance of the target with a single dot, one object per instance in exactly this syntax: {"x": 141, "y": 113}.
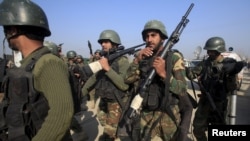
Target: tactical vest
{"x": 105, "y": 87}
{"x": 24, "y": 109}
{"x": 155, "y": 93}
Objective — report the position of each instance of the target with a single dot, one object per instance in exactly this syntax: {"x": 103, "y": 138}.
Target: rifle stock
{"x": 174, "y": 38}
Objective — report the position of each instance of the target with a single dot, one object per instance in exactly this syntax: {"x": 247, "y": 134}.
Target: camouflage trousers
{"x": 109, "y": 118}
{"x": 164, "y": 129}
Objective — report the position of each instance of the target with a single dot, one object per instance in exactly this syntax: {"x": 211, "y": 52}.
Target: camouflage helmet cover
{"x": 110, "y": 35}
{"x": 23, "y": 12}
{"x": 215, "y": 43}
{"x": 154, "y": 25}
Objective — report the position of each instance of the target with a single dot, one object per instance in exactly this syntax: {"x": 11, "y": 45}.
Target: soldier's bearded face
{"x": 153, "y": 39}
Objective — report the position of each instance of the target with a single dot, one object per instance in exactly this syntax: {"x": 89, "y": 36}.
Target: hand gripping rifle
{"x": 174, "y": 38}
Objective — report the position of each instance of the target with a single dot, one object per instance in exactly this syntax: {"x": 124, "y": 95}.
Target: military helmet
{"x": 155, "y": 25}
{"x": 52, "y": 47}
{"x": 71, "y": 54}
{"x": 23, "y": 12}
{"x": 79, "y": 56}
{"x": 110, "y": 35}
{"x": 230, "y": 48}
{"x": 215, "y": 43}
{"x": 98, "y": 51}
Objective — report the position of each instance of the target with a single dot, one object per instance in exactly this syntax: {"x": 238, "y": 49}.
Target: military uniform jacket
{"x": 117, "y": 78}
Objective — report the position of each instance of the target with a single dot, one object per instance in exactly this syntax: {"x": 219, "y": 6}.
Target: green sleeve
{"x": 118, "y": 78}
{"x": 51, "y": 79}
{"x": 89, "y": 83}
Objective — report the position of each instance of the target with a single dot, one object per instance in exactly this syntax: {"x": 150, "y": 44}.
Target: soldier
{"x": 76, "y": 75}
{"x": 216, "y": 78}
{"x": 40, "y": 95}
{"x": 109, "y": 85}
{"x": 96, "y": 56}
{"x": 52, "y": 47}
{"x": 80, "y": 61}
{"x": 159, "y": 117}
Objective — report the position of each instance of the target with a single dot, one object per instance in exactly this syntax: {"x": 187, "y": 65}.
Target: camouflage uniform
{"x": 215, "y": 82}
{"x": 167, "y": 125}
{"x": 110, "y": 87}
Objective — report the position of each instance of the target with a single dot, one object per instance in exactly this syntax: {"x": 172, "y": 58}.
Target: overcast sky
{"x": 74, "y": 22}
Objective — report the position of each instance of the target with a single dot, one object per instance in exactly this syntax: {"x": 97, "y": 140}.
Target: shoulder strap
{"x": 33, "y": 61}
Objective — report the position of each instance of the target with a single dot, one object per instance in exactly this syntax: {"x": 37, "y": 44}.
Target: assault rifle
{"x": 174, "y": 38}
{"x": 120, "y": 51}
{"x": 111, "y": 55}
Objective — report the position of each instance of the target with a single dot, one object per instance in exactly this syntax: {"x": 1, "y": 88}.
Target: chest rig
{"x": 105, "y": 87}
{"x": 157, "y": 93}
{"x": 23, "y": 108}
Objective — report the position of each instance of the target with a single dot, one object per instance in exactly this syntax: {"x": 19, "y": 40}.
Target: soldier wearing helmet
{"x": 109, "y": 85}
{"x": 80, "y": 61}
{"x": 52, "y": 47}
{"x": 217, "y": 78}
{"x": 77, "y": 80}
{"x": 71, "y": 57}
{"x": 154, "y": 34}
{"x": 39, "y": 102}
{"x": 96, "y": 56}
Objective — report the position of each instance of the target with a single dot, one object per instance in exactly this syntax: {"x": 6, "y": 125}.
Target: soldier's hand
{"x": 159, "y": 65}
{"x": 77, "y": 75}
{"x": 104, "y": 63}
{"x": 145, "y": 52}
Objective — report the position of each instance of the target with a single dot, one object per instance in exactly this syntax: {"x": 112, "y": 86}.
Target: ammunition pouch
{"x": 153, "y": 98}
